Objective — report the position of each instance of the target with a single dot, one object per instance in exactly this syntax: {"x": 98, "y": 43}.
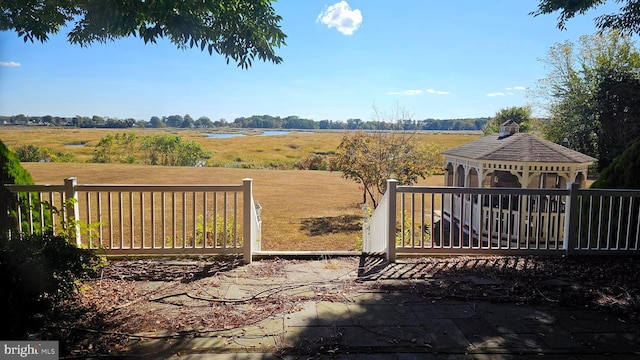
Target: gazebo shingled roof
{"x": 530, "y": 161}
{"x": 520, "y": 147}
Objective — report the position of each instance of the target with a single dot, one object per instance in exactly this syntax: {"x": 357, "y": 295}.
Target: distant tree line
{"x": 255, "y": 121}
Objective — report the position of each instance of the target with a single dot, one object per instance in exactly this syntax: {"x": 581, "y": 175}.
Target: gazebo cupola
{"x": 514, "y": 159}
{"x": 508, "y": 128}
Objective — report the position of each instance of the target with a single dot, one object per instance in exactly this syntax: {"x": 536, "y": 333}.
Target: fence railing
{"x": 145, "y": 219}
{"x": 462, "y": 221}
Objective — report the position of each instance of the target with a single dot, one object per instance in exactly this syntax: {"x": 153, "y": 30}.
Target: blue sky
{"x": 433, "y": 58}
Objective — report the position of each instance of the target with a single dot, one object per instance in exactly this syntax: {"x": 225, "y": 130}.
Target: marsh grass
{"x": 250, "y": 152}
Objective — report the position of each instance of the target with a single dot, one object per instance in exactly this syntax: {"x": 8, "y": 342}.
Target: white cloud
{"x": 496, "y": 94}
{"x": 341, "y": 17}
{"x": 405, "y": 92}
{"x": 516, "y": 88}
{"x": 431, "y": 91}
{"x": 10, "y": 63}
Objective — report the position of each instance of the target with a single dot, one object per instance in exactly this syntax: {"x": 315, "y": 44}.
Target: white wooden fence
{"x": 465, "y": 221}
{"x": 223, "y": 219}
{"x": 146, "y": 219}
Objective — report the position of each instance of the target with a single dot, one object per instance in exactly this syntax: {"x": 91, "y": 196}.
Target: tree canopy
{"x": 627, "y": 20}
{"x": 165, "y": 150}
{"x": 371, "y": 158}
{"x": 240, "y": 30}
{"x": 592, "y": 91}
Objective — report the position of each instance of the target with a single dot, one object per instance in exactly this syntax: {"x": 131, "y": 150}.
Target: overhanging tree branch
{"x": 239, "y": 30}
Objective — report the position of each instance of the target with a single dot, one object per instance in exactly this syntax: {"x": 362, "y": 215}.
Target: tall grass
{"x": 274, "y": 152}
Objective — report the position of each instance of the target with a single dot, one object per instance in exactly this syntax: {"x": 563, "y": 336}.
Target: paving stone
{"x": 403, "y": 336}
{"x": 524, "y": 342}
{"x": 266, "y": 328}
{"x": 555, "y": 337}
{"x": 307, "y": 316}
{"x": 510, "y": 319}
{"x": 610, "y": 342}
{"x": 361, "y": 337}
{"x": 443, "y": 310}
{"x": 382, "y": 315}
{"x": 333, "y": 314}
{"x": 588, "y": 321}
{"x": 445, "y": 334}
{"x": 309, "y": 339}
{"x": 302, "y": 291}
{"x": 235, "y": 291}
{"x": 369, "y": 297}
{"x": 506, "y": 321}
{"x": 476, "y": 329}
{"x": 569, "y": 313}
{"x": 169, "y": 346}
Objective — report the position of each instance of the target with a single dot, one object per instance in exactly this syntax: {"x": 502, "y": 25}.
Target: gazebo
{"x": 514, "y": 159}
{"x": 510, "y": 159}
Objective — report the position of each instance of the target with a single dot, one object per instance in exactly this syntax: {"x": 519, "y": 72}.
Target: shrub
{"x": 33, "y": 153}
{"x": 36, "y": 271}
{"x": 11, "y": 172}
{"x": 624, "y": 171}
{"x": 313, "y": 162}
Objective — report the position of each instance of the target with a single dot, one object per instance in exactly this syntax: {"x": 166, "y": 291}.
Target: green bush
{"x": 624, "y": 171}
{"x": 35, "y": 270}
{"x": 33, "y": 153}
{"x": 11, "y": 172}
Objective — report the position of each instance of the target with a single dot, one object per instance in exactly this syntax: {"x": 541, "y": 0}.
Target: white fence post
{"x": 72, "y": 207}
{"x": 366, "y": 229}
{"x": 571, "y": 218}
{"x": 391, "y": 220}
{"x": 247, "y": 213}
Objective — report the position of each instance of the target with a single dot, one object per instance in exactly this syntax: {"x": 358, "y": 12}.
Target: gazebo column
{"x": 446, "y": 173}
{"x": 454, "y": 173}
{"x": 467, "y": 172}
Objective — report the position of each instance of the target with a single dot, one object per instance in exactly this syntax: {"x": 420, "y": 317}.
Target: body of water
{"x": 232, "y": 135}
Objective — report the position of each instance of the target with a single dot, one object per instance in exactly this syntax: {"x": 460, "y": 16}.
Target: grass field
{"x": 240, "y": 152}
{"x": 302, "y": 210}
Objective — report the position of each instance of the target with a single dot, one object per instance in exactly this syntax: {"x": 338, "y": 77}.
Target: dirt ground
{"x": 158, "y": 298}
